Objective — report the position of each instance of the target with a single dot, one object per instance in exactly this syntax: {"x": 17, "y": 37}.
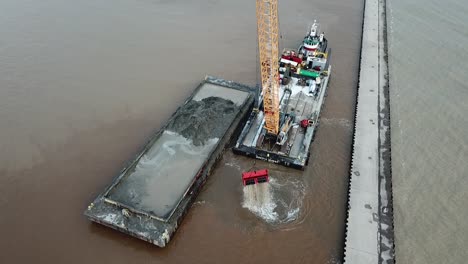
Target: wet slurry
{"x": 83, "y": 86}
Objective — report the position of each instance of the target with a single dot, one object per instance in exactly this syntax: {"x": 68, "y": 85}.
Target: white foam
{"x": 258, "y": 199}
{"x": 277, "y": 202}
{"x": 292, "y": 215}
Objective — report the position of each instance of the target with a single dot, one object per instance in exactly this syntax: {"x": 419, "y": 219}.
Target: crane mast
{"x": 267, "y": 30}
{"x": 293, "y": 82}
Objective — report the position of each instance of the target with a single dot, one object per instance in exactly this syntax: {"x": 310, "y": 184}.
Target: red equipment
{"x": 306, "y": 122}
{"x": 292, "y": 58}
{"x": 254, "y": 177}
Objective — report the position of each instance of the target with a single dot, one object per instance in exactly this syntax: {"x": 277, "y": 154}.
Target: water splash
{"x": 259, "y": 200}
{"x": 278, "y": 202}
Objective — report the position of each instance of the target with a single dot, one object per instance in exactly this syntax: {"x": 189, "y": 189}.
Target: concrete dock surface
{"x": 369, "y": 235}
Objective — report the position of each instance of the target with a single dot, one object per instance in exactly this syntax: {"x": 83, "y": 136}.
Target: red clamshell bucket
{"x": 255, "y": 177}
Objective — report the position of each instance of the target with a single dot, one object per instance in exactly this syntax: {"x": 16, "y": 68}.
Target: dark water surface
{"x": 84, "y": 83}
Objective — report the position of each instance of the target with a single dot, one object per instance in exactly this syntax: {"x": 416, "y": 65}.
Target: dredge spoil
{"x": 204, "y": 119}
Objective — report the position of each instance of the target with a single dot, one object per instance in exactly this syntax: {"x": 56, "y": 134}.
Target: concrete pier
{"x": 369, "y": 227}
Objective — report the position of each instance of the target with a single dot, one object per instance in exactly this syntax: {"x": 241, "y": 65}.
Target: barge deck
{"x": 303, "y": 80}
{"x": 295, "y": 152}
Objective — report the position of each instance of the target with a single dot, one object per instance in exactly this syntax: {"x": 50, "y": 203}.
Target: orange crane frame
{"x": 267, "y": 30}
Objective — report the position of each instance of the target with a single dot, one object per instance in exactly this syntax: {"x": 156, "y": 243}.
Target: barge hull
{"x": 149, "y": 203}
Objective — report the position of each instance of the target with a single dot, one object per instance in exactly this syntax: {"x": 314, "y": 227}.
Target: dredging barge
{"x": 303, "y": 79}
{"x": 150, "y": 196}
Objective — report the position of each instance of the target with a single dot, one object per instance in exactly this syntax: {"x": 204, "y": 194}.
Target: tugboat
{"x": 312, "y": 41}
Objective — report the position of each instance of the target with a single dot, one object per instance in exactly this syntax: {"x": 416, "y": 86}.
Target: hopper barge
{"x": 150, "y": 196}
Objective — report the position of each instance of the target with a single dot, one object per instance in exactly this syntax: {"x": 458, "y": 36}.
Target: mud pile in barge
{"x": 150, "y": 196}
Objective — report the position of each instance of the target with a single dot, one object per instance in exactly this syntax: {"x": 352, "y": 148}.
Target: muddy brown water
{"x": 429, "y": 130}
{"x": 83, "y": 84}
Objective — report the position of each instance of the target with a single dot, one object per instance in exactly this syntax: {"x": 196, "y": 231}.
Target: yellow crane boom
{"x": 267, "y": 30}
